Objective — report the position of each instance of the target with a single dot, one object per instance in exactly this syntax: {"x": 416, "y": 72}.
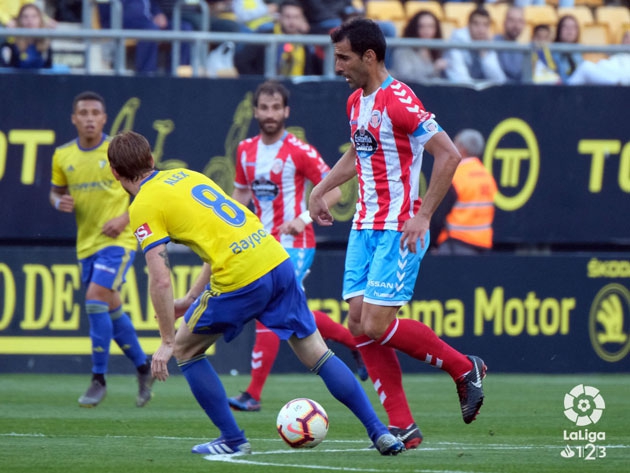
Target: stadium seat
{"x": 615, "y": 17}
{"x": 458, "y": 12}
{"x": 594, "y": 34}
{"x": 582, "y": 14}
{"x": 412, "y": 7}
{"x": 447, "y": 27}
{"x": 540, "y": 15}
{"x": 385, "y": 10}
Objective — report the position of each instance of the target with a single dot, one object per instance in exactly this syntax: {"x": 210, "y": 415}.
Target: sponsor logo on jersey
{"x": 264, "y": 190}
{"x": 143, "y": 232}
{"x": 364, "y": 143}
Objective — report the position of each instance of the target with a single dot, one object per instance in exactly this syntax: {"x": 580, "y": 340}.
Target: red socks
{"x": 384, "y": 370}
{"x": 263, "y": 355}
{"x": 419, "y": 341}
{"x": 332, "y": 330}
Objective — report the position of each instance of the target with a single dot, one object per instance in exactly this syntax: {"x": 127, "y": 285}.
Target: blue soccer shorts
{"x": 107, "y": 267}
{"x": 302, "y": 259}
{"x": 377, "y": 269}
{"x": 275, "y": 299}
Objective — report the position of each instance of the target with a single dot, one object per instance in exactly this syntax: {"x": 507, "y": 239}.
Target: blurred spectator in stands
{"x": 325, "y": 15}
{"x": 146, "y": 15}
{"x": 139, "y": 15}
{"x": 543, "y": 67}
{"x": 292, "y": 59}
{"x": 466, "y": 66}
{"x": 23, "y": 52}
{"x": 69, "y": 11}
{"x": 541, "y": 34}
{"x": 10, "y": 9}
{"x": 163, "y": 17}
{"x": 255, "y": 13}
{"x": 222, "y": 17}
{"x": 462, "y": 223}
{"x": 512, "y": 61}
{"x": 387, "y": 27}
{"x": 612, "y": 71}
{"x": 567, "y": 31}
{"x": 419, "y": 64}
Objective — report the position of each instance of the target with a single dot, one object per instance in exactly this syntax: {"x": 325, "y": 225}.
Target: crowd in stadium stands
{"x": 590, "y": 22}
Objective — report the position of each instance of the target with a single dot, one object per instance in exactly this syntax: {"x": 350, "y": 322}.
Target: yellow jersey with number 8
{"x": 189, "y": 208}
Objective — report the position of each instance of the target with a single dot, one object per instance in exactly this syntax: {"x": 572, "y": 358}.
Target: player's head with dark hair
{"x": 87, "y": 95}
{"x": 272, "y": 87}
{"x": 129, "y": 154}
{"x": 362, "y": 34}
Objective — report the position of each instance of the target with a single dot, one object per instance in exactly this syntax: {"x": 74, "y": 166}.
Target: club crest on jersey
{"x": 264, "y": 190}
{"x": 375, "y": 118}
{"x": 364, "y": 143}
{"x": 430, "y": 126}
{"x": 276, "y": 167}
{"x": 143, "y": 232}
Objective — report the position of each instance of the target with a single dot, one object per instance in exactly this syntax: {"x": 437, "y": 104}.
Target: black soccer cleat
{"x": 411, "y": 436}
{"x": 470, "y": 389}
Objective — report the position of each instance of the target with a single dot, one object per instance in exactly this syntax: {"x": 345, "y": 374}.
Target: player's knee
{"x": 373, "y": 330}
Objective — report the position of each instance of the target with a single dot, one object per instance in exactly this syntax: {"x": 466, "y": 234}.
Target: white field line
{"x": 361, "y": 446}
{"x": 426, "y": 446}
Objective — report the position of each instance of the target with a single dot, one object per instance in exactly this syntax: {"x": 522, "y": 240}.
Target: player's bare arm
{"x": 297, "y": 225}
{"x": 161, "y": 292}
{"x": 61, "y": 200}
{"x": 446, "y": 159}
{"x": 183, "y": 303}
{"x": 342, "y": 171}
{"x": 242, "y": 195}
{"x": 115, "y": 226}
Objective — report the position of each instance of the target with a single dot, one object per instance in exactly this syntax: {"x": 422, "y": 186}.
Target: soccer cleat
{"x": 244, "y": 402}
{"x": 94, "y": 395}
{"x": 221, "y": 447}
{"x": 145, "y": 382}
{"x": 361, "y": 369}
{"x": 470, "y": 390}
{"x": 411, "y": 436}
{"x": 388, "y": 444}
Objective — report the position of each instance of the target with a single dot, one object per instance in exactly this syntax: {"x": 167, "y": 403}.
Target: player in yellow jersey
{"x": 82, "y": 183}
{"x": 246, "y": 275}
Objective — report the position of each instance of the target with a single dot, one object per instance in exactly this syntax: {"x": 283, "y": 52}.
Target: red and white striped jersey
{"x": 278, "y": 175}
{"x": 389, "y": 129}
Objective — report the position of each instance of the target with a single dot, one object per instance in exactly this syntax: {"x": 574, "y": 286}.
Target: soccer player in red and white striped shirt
{"x": 273, "y": 170}
{"x": 390, "y": 129}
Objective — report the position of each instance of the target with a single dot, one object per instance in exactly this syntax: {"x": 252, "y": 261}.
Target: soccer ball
{"x": 302, "y": 423}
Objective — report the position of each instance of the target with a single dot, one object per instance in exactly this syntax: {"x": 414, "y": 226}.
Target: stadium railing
{"x": 200, "y": 40}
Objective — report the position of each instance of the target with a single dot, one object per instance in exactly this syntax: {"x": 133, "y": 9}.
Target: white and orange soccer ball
{"x": 302, "y": 423}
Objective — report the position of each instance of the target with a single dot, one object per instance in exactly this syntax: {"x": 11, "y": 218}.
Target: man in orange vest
{"x": 462, "y": 224}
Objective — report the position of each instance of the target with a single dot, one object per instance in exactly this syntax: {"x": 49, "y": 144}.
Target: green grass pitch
{"x": 520, "y": 429}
